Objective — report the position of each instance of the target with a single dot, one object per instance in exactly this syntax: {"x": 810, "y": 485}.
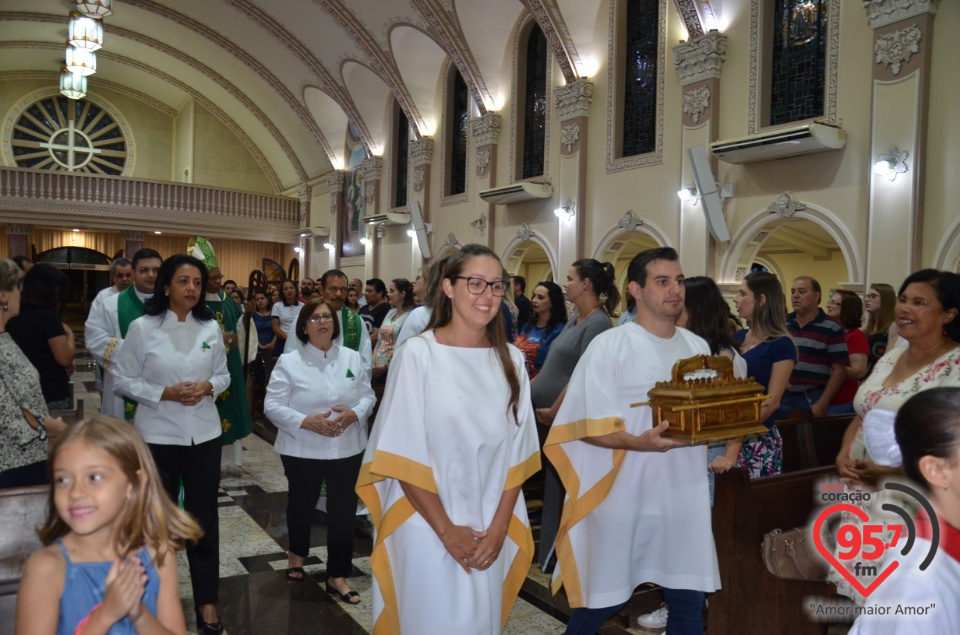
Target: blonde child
{"x": 111, "y": 534}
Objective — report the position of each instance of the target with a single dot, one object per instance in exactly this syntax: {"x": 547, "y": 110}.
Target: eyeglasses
{"x": 872, "y": 296}
{"x": 322, "y": 317}
{"x": 834, "y": 303}
{"x": 477, "y": 285}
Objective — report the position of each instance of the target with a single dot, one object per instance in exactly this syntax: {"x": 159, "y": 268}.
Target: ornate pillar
{"x": 372, "y": 174}
{"x": 698, "y": 64}
{"x": 335, "y": 188}
{"x": 903, "y": 36}
{"x": 573, "y": 108}
{"x": 486, "y": 133}
{"x": 421, "y": 158}
{"x": 18, "y": 239}
{"x": 306, "y": 258}
{"x": 133, "y": 242}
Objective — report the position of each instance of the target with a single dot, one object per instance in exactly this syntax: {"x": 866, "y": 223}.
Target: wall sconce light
{"x": 688, "y": 194}
{"x": 329, "y": 246}
{"x": 366, "y": 242}
{"x": 892, "y": 163}
{"x": 567, "y": 211}
{"x": 411, "y": 233}
{"x": 480, "y": 224}
{"x": 298, "y": 250}
{"x": 380, "y": 231}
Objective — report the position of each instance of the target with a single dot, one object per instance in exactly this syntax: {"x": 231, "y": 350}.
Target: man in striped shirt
{"x": 823, "y": 359}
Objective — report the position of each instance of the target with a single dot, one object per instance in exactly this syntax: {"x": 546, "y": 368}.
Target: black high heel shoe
{"x": 207, "y": 628}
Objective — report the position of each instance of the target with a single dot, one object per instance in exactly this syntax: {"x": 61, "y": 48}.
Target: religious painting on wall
{"x": 354, "y": 209}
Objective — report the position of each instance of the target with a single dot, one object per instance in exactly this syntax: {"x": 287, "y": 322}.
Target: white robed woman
{"x": 453, "y": 442}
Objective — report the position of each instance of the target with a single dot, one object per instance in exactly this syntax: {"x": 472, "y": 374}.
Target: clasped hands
{"x": 330, "y": 427}
{"x": 473, "y": 549}
{"x": 187, "y": 393}
{"x": 125, "y": 583}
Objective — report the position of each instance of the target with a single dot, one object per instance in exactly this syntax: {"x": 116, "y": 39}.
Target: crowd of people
{"x": 363, "y": 382}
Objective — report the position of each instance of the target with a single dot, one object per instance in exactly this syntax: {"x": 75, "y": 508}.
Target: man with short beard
{"x": 108, "y": 322}
{"x": 353, "y": 332}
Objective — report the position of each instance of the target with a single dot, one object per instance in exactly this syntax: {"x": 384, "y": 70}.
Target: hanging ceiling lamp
{"x": 85, "y": 32}
{"x": 95, "y": 8}
{"x": 72, "y": 85}
{"x": 81, "y": 61}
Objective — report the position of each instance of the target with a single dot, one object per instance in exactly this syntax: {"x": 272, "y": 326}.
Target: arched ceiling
{"x": 286, "y": 77}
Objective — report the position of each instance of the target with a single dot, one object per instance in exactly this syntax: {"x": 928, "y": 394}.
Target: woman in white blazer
{"x": 173, "y": 365}
{"x": 319, "y": 398}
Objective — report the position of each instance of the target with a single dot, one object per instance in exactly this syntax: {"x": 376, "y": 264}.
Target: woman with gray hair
{"x": 24, "y": 419}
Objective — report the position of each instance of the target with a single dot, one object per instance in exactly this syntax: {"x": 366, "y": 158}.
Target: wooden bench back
{"x": 810, "y": 442}
{"x": 22, "y": 510}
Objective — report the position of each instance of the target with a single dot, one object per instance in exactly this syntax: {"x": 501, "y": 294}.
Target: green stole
{"x": 129, "y": 308}
{"x": 232, "y": 403}
{"x": 350, "y": 324}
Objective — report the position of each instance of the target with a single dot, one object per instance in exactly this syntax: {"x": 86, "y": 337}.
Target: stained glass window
{"x": 534, "y": 104}
{"x": 640, "y": 80}
{"x": 799, "y": 60}
{"x": 459, "y": 121}
{"x": 402, "y": 133}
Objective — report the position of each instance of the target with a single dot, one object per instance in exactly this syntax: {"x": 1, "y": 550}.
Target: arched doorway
{"x": 88, "y": 271}
{"x": 531, "y": 256}
{"x": 620, "y": 244}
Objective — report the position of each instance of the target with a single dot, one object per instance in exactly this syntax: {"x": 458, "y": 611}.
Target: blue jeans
{"x": 686, "y": 611}
{"x": 840, "y": 409}
{"x": 799, "y": 400}
{"x": 588, "y": 621}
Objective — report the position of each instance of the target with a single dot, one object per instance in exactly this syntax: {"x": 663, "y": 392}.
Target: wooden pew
{"x": 752, "y": 600}
{"x": 810, "y": 442}
{"x": 22, "y": 509}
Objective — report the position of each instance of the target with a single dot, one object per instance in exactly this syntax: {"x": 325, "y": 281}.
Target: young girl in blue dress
{"x": 109, "y": 565}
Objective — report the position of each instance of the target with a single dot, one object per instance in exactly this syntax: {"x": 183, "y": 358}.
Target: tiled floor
{"x": 256, "y": 598}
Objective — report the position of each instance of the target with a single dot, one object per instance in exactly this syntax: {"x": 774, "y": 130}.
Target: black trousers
{"x": 199, "y": 467}
{"x": 305, "y": 477}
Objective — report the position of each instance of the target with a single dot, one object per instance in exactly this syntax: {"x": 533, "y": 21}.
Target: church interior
{"x": 799, "y": 137}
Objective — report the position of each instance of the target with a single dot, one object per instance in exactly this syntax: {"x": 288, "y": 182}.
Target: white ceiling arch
{"x": 372, "y": 97}
{"x": 421, "y": 62}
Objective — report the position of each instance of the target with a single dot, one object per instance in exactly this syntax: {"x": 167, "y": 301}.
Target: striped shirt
{"x": 820, "y": 344}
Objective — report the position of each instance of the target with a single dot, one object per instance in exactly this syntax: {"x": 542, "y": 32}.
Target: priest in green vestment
{"x": 353, "y": 332}
{"x": 232, "y": 403}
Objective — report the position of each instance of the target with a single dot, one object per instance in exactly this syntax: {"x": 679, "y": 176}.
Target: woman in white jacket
{"x": 174, "y": 365}
{"x": 319, "y": 398}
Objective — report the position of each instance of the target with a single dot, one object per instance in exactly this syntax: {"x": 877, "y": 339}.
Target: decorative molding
{"x": 14, "y": 229}
{"x": 573, "y": 100}
{"x": 894, "y": 49}
{"x": 451, "y": 241}
{"x": 371, "y": 192}
{"x": 558, "y": 37}
{"x": 760, "y": 237}
{"x": 614, "y": 74}
{"x": 372, "y": 168}
{"x": 700, "y": 59}
{"x": 419, "y": 175}
{"x": 741, "y": 274}
{"x": 786, "y": 205}
{"x": 486, "y": 129}
{"x": 570, "y": 136}
{"x": 421, "y": 152}
{"x": 525, "y": 233}
{"x": 695, "y": 102}
{"x": 335, "y": 181}
{"x": 691, "y": 19}
{"x": 480, "y": 224}
{"x": 483, "y": 161}
{"x": 133, "y": 235}
{"x": 897, "y": 160}
{"x": 884, "y": 12}
{"x": 630, "y": 222}
{"x": 830, "y": 109}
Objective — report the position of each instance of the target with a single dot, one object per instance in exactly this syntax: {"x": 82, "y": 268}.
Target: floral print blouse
{"x": 944, "y": 371}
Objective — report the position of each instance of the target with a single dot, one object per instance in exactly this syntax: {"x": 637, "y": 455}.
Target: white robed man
{"x": 109, "y": 319}
{"x": 121, "y": 277}
{"x": 638, "y": 504}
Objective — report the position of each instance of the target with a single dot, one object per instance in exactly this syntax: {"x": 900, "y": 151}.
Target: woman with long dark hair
{"x": 174, "y": 365}
{"x": 454, "y": 441}
{"x": 846, "y": 308}
{"x": 880, "y": 302}
{"x": 400, "y": 297}
{"x": 547, "y": 322}
{"x": 285, "y": 314}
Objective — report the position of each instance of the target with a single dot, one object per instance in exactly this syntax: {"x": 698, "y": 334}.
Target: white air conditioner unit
{"x": 781, "y": 143}
{"x": 516, "y": 193}
{"x": 388, "y": 218}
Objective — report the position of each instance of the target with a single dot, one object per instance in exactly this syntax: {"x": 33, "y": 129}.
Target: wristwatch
{"x": 211, "y": 391}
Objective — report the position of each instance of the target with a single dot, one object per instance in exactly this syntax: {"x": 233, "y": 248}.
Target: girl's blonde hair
{"x": 149, "y": 518}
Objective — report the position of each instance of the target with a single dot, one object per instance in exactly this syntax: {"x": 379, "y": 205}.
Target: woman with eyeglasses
{"x": 880, "y": 303}
{"x": 846, "y": 308}
{"x": 319, "y": 397}
{"x": 453, "y": 443}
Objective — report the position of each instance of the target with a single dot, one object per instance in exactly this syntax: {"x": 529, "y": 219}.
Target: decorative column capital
{"x": 421, "y": 152}
{"x": 700, "y": 59}
{"x": 884, "y": 12}
{"x": 573, "y": 100}
{"x": 335, "y": 181}
{"x": 133, "y": 235}
{"x": 486, "y": 129}
{"x": 19, "y": 230}
{"x": 372, "y": 168}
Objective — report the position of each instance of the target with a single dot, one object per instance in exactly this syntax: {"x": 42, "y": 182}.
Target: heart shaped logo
{"x": 836, "y": 564}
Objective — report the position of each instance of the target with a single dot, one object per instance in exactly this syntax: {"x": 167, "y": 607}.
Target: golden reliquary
{"x": 704, "y": 402}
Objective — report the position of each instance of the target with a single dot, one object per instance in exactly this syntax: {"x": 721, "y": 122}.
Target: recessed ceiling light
{"x": 158, "y": 232}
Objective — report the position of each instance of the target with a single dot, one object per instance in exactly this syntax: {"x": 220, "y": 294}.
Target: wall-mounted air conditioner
{"x": 517, "y": 193}
{"x": 781, "y": 143}
{"x": 387, "y": 218}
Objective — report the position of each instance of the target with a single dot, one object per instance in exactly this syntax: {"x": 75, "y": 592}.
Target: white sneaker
{"x": 657, "y": 619}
